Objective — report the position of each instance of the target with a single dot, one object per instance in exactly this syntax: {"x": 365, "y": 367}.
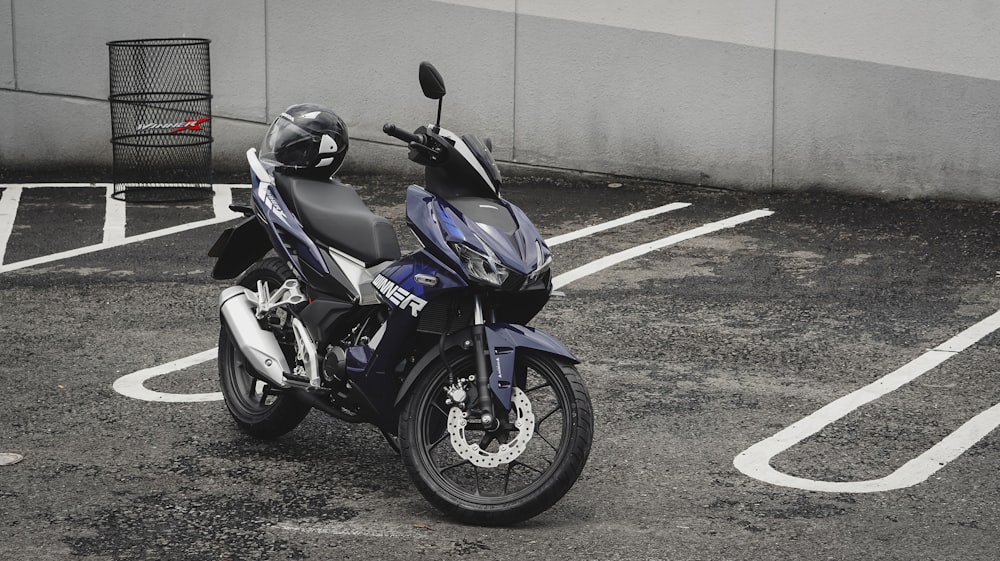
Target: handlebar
{"x": 408, "y": 137}
{"x": 425, "y": 149}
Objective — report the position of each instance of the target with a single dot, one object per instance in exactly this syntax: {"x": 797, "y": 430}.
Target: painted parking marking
{"x": 622, "y": 256}
{"x": 9, "y": 201}
{"x": 114, "y": 223}
{"x": 138, "y": 391}
{"x": 131, "y": 385}
{"x": 352, "y": 528}
{"x": 756, "y": 460}
{"x": 114, "y": 217}
{"x": 635, "y": 217}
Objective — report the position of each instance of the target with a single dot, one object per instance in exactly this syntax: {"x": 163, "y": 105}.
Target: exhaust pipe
{"x": 259, "y": 346}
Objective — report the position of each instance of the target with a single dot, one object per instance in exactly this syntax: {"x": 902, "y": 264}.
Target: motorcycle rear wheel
{"x": 257, "y": 411}
{"x": 510, "y": 492}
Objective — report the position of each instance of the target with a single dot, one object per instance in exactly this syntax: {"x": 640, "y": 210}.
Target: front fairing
{"x": 511, "y": 236}
{"x": 411, "y": 282}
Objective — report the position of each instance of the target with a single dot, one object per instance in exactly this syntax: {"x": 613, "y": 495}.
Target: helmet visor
{"x": 287, "y": 144}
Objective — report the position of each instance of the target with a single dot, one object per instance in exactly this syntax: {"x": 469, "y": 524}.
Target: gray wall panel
{"x": 6, "y": 45}
{"x": 620, "y": 101}
{"x": 868, "y": 128}
{"x": 26, "y": 121}
{"x": 61, "y": 45}
{"x": 361, "y": 59}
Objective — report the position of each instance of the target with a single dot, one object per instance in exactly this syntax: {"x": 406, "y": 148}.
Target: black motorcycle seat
{"x": 335, "y": 215}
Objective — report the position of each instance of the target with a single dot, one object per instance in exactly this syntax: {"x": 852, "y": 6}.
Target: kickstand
{"x": 392, "y": 440}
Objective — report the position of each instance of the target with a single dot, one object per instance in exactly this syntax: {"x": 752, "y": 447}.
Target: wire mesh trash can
{"x": 161, "y": 119}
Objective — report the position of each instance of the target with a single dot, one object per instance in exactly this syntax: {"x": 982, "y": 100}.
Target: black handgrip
{"x": 407, "y": 137}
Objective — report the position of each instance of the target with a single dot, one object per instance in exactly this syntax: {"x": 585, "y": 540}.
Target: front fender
{"x": 505, "y": 342}
{"x": 523, "y": 337}
{"x": 238, "y": 247}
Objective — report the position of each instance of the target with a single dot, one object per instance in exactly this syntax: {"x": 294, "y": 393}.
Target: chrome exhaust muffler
{"x": 259, "y": 346}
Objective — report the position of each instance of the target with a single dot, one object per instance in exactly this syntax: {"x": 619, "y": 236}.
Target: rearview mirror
{"x": 431, "y": 81}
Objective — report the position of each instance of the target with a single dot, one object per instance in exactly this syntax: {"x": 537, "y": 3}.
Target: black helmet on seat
{"x": 306, "y": 139}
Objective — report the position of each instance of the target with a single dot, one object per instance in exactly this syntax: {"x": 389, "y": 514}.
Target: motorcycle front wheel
{"x": 257, "y": 410}
{"x": 504, "y": 476}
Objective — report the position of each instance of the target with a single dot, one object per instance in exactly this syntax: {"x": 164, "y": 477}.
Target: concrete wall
{"x": 891, "y": 98}
{"x": 650, "y": 90}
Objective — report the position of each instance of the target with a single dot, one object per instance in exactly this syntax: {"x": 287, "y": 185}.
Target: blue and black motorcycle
{"x": 491, "y": 418}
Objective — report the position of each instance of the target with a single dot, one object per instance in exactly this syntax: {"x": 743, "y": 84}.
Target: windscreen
{"x": 484, "y": 157}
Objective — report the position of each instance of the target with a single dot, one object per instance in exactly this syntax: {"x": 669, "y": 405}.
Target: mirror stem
{"x": 440, "y": 102}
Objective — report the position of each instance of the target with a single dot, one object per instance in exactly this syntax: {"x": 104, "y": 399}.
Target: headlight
{"x": 482, "y": 267}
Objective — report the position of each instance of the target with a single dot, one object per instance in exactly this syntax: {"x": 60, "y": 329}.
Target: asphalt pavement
{"x": 774, "y": 377}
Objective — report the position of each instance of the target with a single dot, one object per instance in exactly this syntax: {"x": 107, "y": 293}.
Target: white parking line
{"x": 583, "y": 232}
{"x": 114, "y": 224}
{"x": 114, "y": 218}
{"x": 352, "y": 528}
{"x": 616, "y": 258}
{"x": 756, "y": 460}
{"x": 9, "y": 201}
{"x": 137, "y": 390}
{"x": 131, "y": 385}
{"x": 223, "y": 197}
{"x": 117, "y": 243}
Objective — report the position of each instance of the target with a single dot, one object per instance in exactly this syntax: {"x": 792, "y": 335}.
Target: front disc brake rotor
{"x": 524, "y": 422}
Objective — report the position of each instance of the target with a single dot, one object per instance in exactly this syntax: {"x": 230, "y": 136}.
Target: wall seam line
{"x": 513, "y": 109}
{"x": 13, "y": 44}
{"x": 267, "y": 83}
{"x": 774, "y": 93}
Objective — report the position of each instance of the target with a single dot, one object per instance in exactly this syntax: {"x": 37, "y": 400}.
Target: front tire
{"x": 257, "y": 410}
{"x": 562, "y": 421}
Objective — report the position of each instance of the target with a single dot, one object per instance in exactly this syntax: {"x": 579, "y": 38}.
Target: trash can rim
{"x": 159, "y": 42}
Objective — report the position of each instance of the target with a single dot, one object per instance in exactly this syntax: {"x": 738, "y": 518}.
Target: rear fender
{"x": 506, "y": 341}
{"x": 238, "y": 247}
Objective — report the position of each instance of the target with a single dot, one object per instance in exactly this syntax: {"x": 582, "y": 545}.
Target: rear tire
{"x": 541, "y": 474}
{"x": 256, "y": 410}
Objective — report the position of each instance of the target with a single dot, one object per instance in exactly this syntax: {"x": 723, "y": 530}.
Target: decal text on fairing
{"x": 398, "y": 295}
{"x": 272, "y": 203}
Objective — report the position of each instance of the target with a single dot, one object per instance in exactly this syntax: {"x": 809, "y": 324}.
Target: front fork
{"x": 483, "y": 370}
{"x": 480, "y": 349}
